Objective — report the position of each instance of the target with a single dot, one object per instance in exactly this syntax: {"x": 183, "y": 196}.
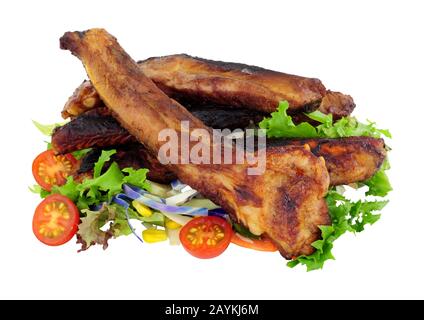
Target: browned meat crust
{"x": 348, "y": 160}
{"x": 286, "y": 202}
{"x": 336, "y": 103}
{"x": 235, "y": 84}
{"x": 84, "y": 98}
{"x": 223, "y": 117}
{"x": 199, "y": 81}
{"x": 95, "y": 128}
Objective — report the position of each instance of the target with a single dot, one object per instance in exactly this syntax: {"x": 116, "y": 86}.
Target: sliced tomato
{"x": 50, "y": 169}
{"x": 206, "y": 237}
{"x": 262, "y": 244}
{"x": 55, "y": 220}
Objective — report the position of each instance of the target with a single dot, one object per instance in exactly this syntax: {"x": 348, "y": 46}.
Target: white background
{"x": 372, "y": 50}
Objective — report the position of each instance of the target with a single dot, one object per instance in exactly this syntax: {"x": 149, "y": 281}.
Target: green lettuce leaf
{"x": 104, "y": 157}
{"x": 136, "y": 177}
{"x": 346, "y": 216}
{"x": 47, "y": 129}
{"x": 90, "y": 229}
{"x": 111, "y": 182}
{"x": 69, "y": 189}
{"x": 281, "y": 125}
{"x": 102, "y": 187}
{"x": 39, "y": 190}
{"x": 379, "y": 184}
{"x": 348, "y": 127}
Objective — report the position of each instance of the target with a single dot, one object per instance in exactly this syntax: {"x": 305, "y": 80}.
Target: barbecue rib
{"x": 95, "y": 128}
{"x": 286, "y": 202}
{"x": 348, "y": 160}
{"x": 200, "y": 81}
{"x": 183, "y": 78}
{"x": 98, "y": 128}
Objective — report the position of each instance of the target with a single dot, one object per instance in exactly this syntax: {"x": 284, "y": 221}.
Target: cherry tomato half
{"x": 263, "y": 244}
{"x": 206, "y": 237}
{"x": 50, "y": 169}
{"x": 55, "y": 220}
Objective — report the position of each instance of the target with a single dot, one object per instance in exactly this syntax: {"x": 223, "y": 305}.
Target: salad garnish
{"x": 114, "y": 201}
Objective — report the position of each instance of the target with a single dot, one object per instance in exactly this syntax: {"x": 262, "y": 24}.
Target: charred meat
{"x": 286, "y": 202}
{"x": 196, "y": 81}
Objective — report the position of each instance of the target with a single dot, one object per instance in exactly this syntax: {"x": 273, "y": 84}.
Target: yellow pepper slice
{"x": 142, "y": 209}
{"x": 154, "y": 235}
{"x": 171, "y": 224}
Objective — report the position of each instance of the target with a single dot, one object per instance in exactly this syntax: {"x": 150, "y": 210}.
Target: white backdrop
{"x": 372, "y": 50}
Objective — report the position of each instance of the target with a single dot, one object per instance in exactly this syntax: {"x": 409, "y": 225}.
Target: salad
{"x": 112, "y": 202}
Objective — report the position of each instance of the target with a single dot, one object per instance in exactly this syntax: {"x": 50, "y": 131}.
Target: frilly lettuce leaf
{"x": 47, "y": 129}
{"x": 379, "y": 184}
{"x": 346, "y": 216}
{"x": 103, "y": 186}
{"x": 281, "y": 125}
{"x": 90, "y": 229}
{"x": 136, "y": 177}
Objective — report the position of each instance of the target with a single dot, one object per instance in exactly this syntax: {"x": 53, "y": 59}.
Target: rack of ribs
{"x": 286, "y": 202}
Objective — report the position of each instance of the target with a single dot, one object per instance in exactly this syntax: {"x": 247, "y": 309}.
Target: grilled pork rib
{"x": 194, "y": 80}
{"x": 286, "y": 202}
{"x": 98, "y": 128}
{"x": 348, "y": 160}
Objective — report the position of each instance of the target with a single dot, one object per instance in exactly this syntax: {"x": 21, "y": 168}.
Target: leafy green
{"x": 379, "y": 184}
{"x": 91, "y": 229}
{"x": 346, "y": 216}
{"x": 47, "y": 129}
{"x": 348, "y": 127}
{"x": 137, "y": 177}
{"x": 69, "y": 189}
{"x": 39, "y": 190}
{"x": 281, "y": 125}
{"x": 104, "y": 157}
{"x": 322, "y": 253}
{"x": 361, "y": 214}
{"x": 321, "y": 117}
{"x": 102, "y": 187}
{"x": 111, "y": 182}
